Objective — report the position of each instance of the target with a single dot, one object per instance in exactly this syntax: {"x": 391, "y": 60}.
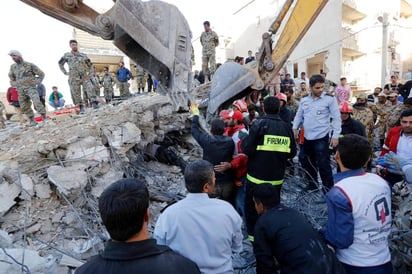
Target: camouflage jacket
{"x": 379, "y": 113}
{"x": 394, "y": 113}
{"x": 365, "y": 116}
{"x": 107, "y": 81}
{"x": 329, "y": 87}
{"x": 25, "y": 74}
{"x": 80, "y": 65}
{"x": 294, "y": 105}
{"x": 209, "y": 41}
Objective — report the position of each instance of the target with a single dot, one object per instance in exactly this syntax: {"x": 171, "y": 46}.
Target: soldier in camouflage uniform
{"x": 108, "y": 82}
{"x": 25, "y": 77}
{"x": 96, "y": 89}
{"x": 140, "y": 75}
{"x": 209, "y": 41}
{"x": 380, "y": 123}
{"x": 80, "y": 70}
{"x": 329, "y": 86}
{"x": 363, "y": 114}
{"x": 2, "y": 120}
{"x": 394, "y": 109}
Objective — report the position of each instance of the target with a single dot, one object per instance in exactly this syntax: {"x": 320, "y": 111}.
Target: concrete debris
{"x": 52, "y": 175}
{"x": 69, "y": 181}
{"x": 42, "y": 190}
{"x": 8, "y": 194}
{"x": 32, "y": 263}
{"x": 5, "y": 239}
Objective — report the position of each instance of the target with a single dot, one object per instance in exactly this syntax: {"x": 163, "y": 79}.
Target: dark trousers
{"x": 315, "y": 158}
{"x": 224, "y": 191}
{"x": 380, "y": 269}
{"x": 250, "y": 211}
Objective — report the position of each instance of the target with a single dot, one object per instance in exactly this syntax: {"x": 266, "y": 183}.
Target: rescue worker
{"x": 25, "y": 77}
{"x": 292, "y": 102}
{"x": 217, "y": 149}
{"x": 316, "y": 110}
{"x": 238, "y": 132}
{"x": 359, "y": 211}
{"x": 285, "y": 112}
{"x": 350, "y": 125}
{"x": 108, "y": 82}
{"x": 269, "y": 145}
{"x": 80, "y": 71}
{"x": 209, "y": 41}
{"x": 285, "y": 234}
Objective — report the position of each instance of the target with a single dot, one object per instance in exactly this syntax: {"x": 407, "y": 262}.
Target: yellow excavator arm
{"x": 231, "y": 79}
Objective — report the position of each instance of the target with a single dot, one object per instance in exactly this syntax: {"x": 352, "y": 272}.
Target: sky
{"x": 42, "y": 40}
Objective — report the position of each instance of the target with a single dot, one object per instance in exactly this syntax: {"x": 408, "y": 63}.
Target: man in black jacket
{"x": 282, "y": 233}
{"x": 269, "y": 145}
{"x": 217, "y": 149}
{"x": 350, "y": 125}
{"x": 124, "y": 208}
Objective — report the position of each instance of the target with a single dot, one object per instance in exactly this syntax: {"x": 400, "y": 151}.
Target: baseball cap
{"x": 382, "y": 94}
{"x": 393, "y": 94}
{"x": 15, "y": 52}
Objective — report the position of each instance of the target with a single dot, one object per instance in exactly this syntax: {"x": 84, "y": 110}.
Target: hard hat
{"x": 362, "y": 96}
{"x": 382, "y": 94}
{"x": 282, "y": 96}
{"x": 345, "y": 107}
{"x": 224, "y": 114}
{"x": 241, "y": 105}
{"x": 237, "y": 115}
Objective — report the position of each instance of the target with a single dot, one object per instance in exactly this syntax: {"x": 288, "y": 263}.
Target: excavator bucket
{"x": 229, "y": 80}
{"x": 156, "y": 36}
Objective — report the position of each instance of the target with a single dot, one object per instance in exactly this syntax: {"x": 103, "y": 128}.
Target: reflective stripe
{"x": 251, "y": 238}
{"x": 275, "y": 143}
{"x": 385, "y": 147}
{"x": 257, "y": 181}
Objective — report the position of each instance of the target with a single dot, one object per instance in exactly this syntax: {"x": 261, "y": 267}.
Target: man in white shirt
{"x": 203, "y": 229}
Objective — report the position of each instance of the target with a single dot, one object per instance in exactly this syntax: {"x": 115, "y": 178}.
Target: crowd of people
{"x": 237, "y": 187}
{"x": 84, "y": 82}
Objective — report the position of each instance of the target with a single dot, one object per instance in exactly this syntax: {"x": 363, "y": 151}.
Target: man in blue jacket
{"x": 123, "y": 76}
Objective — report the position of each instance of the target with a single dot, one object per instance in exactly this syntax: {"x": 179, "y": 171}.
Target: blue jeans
{"x": 380, "y": 269}
{"x": 240, "y": 199}
{"x": 57, "y": 105}
{"x": 316, "y": 158}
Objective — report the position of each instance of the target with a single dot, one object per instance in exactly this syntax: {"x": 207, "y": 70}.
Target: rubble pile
{"x": 51, "y": 177}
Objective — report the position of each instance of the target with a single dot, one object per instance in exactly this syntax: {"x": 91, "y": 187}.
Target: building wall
{"x": 322, "y": 39}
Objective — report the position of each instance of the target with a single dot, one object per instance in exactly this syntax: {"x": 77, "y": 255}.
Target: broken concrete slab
{"x": 89, "y": 147}
{"x": 127, "y": 133}
{"x": 70, "y": 261}
{"x": 28, "y": 187}
{"x": 69, "y": 180}
{"x": 32, "y": 260}
{"x": 43, "y": 191}
{"x": 5, "y": 239}
{"x": 8, "y": 192}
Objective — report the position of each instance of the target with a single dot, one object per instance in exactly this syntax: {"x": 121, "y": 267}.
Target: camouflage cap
{"x": 382, "y": 94}
{"x": 393, "y": 94}
{"x": 362, "y": 96}
{"x": 15, "y": 52}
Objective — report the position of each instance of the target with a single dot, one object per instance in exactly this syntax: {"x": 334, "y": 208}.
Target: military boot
{"x": 82, "y": 110}
{"x": 95, "y": 104}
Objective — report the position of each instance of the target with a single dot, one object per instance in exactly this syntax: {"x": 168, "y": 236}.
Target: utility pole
{"x": 384, "y": 20}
